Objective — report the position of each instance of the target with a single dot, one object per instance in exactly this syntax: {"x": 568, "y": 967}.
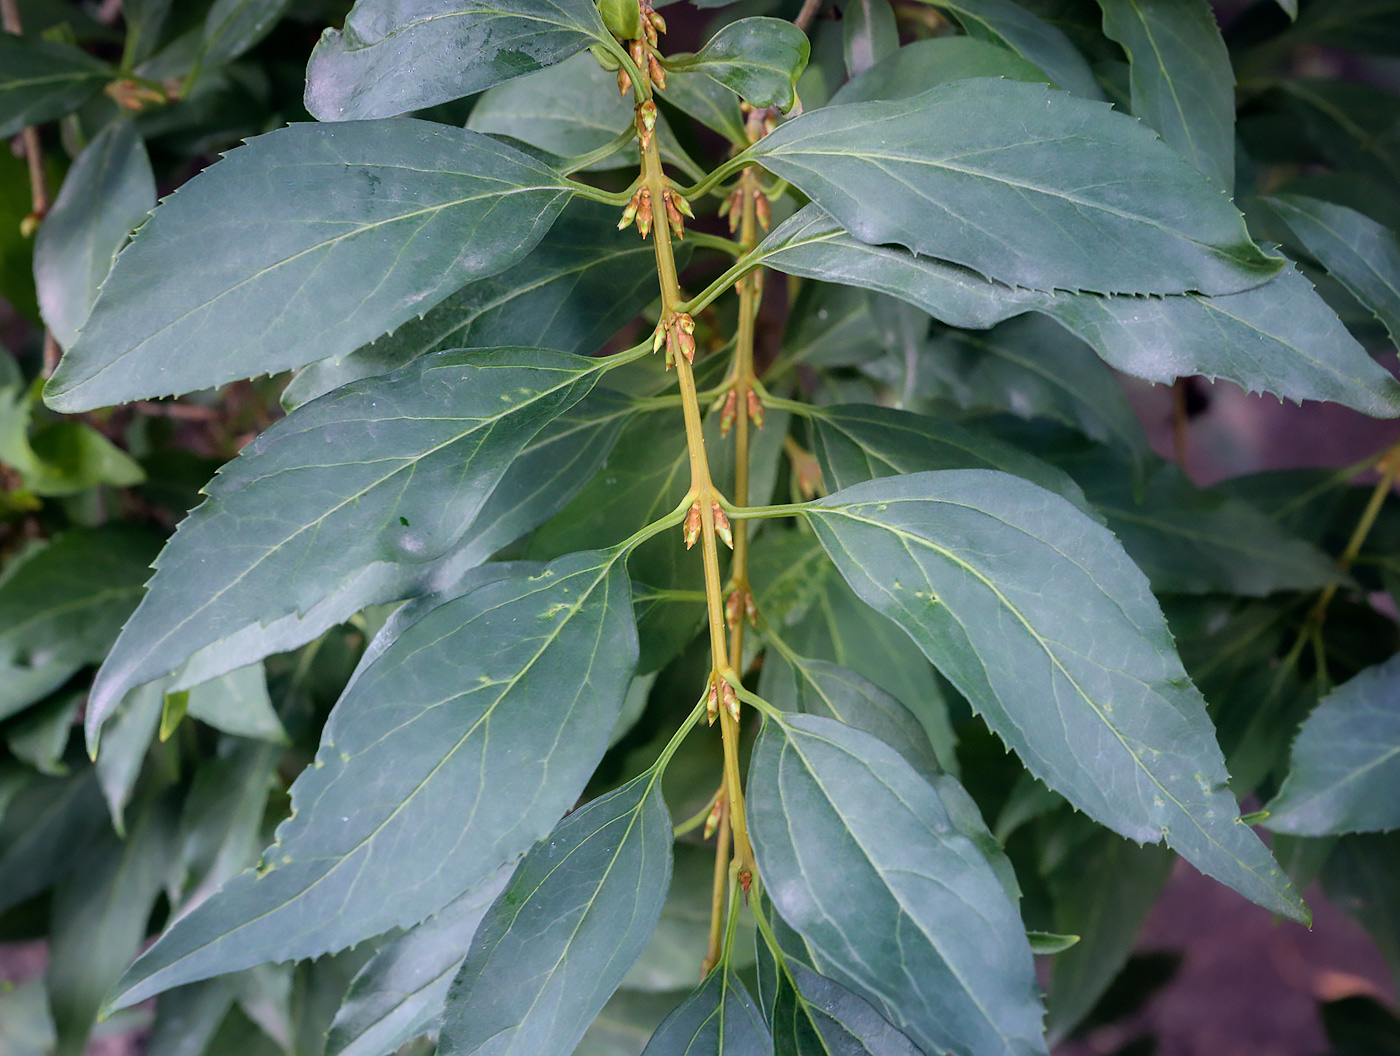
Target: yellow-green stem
{"x": 703, "y": 491}
{"x": 712, "y": 953}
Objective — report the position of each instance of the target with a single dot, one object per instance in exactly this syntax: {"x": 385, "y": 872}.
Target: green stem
{"x": 582, "y": 161}
{"x": 718, "y": 176}
{"x": 596, "y": 194}
{"x": 732, "y": 274}
{"x": 750, "y": 513}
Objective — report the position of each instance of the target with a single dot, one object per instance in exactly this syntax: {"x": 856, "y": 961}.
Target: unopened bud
{"x": 712, "y": 701}
{"x": 734, "y": 608}
{"x": 745, "y": 882}
{"x": 692, "y": 524}
{"x": 658, "y": 337}
{"x": 630, "y": 212}
{"x": 673, "y": 214}
{"x": 650, "y": 30}
{"x": 624, "y": 81}
{"x": 716, "y": 813}
{"x": 761, "y": 209}
{"x": 722, "y": 525}
{"x": 646, "y": 122}
{"x": 729, "y": 413}
{"x": 750, "y": 609}
{"x": 755, "y": 409}
{"x": 638, "y": 52}
{"x": 644, "y": 212}
{"x": 730, "y": 699}
{"x": 658, "y": 75}
{"x": 656, "y": 20}
{"x": 682, "y": 204}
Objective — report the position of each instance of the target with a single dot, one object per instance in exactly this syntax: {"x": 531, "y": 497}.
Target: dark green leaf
{"x": 44, "y": 79}
{"x": 561, "y": 937}
{"x": 63, "y": 606}
{"x": 819, "y": 687}
{"x": 129, "y": 736}
{"x": 1359, "y": 878}
{"x": 870, "y": 34}
{"x": 1345, "y": 771}
{"x": 818, "y": 615}
{"x": 1102, "y": 893}
{"x": 26, "y": 1026}
{"x": 238, "y": 703}
{"x": 1358, "y": 25}
{"x": 1009, "y": 24}
{"x": 919, "y": 66}
{"x": 222, "y": 819}
{"x": 857, "y": 442}
{"x": 391, "y": 58}
{"x": 1280, "y": 337}
{"x": 414, "y": 726}
{"x": 759, "y": 59}
{"x": 718, "y": 1018}
{"x": 709, "y": 102}
{"x": 44, "y": 823}
{"x": 1040, "y": 619}
{"x": 860, "y": 858}
{"x": 40, "y": 736}
{"x": 144, "y": 20}
{"x": 583, "y": 282}
{"x": 188, "y": 1017}
{"x": 951, "y": 174}
{"x": 384, "y": 471}
{"x": 313, "y": 227}
{"x": 822, "y": 1018}
{"x": 1361, "y": 254}
{"x": 107, "y": 192}
{"x": 100, "y": 921}
{"x": 1182, "y": 83}
{"x": 400, "y": 993}
{"x": 234, "y": 26}
{"x": 1196, "y": 541}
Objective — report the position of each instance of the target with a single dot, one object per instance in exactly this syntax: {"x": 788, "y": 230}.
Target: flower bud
{"x": 730, "y": 412}
{"x": 692, "y": 524}
{"x": 712, "y": 701}
{"x": 716, "y": 812}
{"x": 730, "y": 699}
{"x": 657, "y": 74}
{"x": 755, "y": 409}
{"x": 624, "y": 81}
{"x": 722, "y": 525}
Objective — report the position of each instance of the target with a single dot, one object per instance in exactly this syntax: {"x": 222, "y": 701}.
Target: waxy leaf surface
{"x": 393, "y": 56}
{"x": 1087, "y": 199}
{"x": 1280, "y": 337}
{"x": 718, "y": 1019}
{"x": 1362, "y": 255}
{"x": 384, "y": 471}
{"x": 428, "y": 776}
{"x": 400, "y": 993}
{"x": 819, "y": 1017}
{"x": 44, "y": 79}
{"x": 1182, "y": 83}
{"x": 1041, "y": 620}
{"x": 759, "y": 59}
{"x": 859, "y": 857}
{"x": 1345, "y": 772}
{"x": 561, "y": 937}
{"x": 1007, "y": 23}
{"x": 917, "y": 67}
{"x": 107, "y": 192}
{"x": 304, "y": 244}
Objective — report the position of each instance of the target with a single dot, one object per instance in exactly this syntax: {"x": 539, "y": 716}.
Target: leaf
{"x": 581, "y": 284}
{"x": 919, "y": 66}
{"x": 328, "y": 236}
{"x": 1280, "y": 337}
{"x": 1038, "y": 617}
{"x": 391, "y": 58}
{"x": 26, "y": 1027}
{"x": 709, "y": 102}
{"x": 1359, "y": 878}
{"x": 44, "y": 79}
{"x": 238, "y": 704}
{"x": 1029, "y": 36}
{"x": 869, "y": 34}
{"x": 107, "y": 192}
{"x": 131, "y": 731}
{"x": 1361, "y": 254}
{"x": 539, "y": 658}
{"x": 858, "y": 442}
{"x": 1191, "y": 540}
{"x": 625, "y": 1024}
{"x": 188, "y": 1017}
{"x": 99, "y": 922}
{"x": 860, "y": 858}
{"x": 1357, "y": 25}
{"x": 388, "y": 470}
{"x": 561, "y": 937}
{"x": 821, "y": 1018}
{"x": 222, "y": 819}
{"x": 819, "y": 687}
{"x": 950, "y": 173}
{"x": 63, "y": 606}
{"x": 1345, "y": 772}
{"x": 234, "y": 26}
{"x": 40, "y": 737}
{"x": 1182, "y": 82}
{"x": 719, "y": 1017}
{"x": 47, "y": 819}
{"x": 759, "y": 59}
{"x": 400, "y": 993}
{"x": 1102, "y": 893}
